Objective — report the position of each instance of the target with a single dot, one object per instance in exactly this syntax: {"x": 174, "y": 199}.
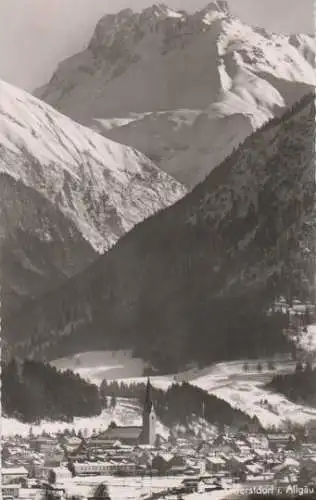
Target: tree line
{"x": 179, "y": 403}
{"x": 299, "y": 386}
{"x": 32, "y": 391}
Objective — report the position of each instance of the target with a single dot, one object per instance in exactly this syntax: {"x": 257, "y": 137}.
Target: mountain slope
{"x": 185, "y": 89}
{"x": 67, "y": 194}
{"x": 194, "y": 281}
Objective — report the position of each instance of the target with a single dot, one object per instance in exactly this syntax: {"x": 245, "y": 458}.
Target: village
{"x": 142, "y": 462}
{"x": 221, "y": 458}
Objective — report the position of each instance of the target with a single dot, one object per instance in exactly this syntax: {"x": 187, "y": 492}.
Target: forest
{"x": 32, "y": 391}
{"x": 299, "y": 386}
{"x": 180, "y": 403}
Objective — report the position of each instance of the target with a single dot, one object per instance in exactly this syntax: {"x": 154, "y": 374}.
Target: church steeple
{"x": 148, "y": 403}
{"x": 149, "y": 418}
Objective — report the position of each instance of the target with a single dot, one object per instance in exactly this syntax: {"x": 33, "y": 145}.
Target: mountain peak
{"x": 217, "y": 6}
{"x": 157, "y": 8}
{"x": 159, "y": 12}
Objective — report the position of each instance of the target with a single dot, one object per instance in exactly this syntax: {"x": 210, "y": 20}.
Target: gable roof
{"x": 118, "y": 433}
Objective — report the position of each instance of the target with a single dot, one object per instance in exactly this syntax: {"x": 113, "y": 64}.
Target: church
{"x": 135, "y": 435}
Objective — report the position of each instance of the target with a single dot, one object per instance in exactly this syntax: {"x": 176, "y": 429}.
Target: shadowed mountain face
{"x": 66, "y": 195}
{"x": 194, "y": 281}
{"x": 185, "y": 89}
{"x": 40, "y": 246}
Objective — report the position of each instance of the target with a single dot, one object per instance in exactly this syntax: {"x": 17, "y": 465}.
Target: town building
{"x": 13, "y": 475}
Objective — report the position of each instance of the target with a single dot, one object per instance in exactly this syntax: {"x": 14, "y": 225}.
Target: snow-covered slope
{"x": 98, "y": 365}
{"x": 66, "y": 194}
{"x": 228, "y": 381}
{"x": 184, "y": 89}
{"x": 127, "y": 412}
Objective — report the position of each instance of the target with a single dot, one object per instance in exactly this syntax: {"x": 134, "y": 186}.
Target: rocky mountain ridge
{"x": 185, "y": 89}
{"x": 67, "y": 194}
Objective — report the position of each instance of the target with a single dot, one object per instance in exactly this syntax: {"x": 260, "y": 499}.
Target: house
{"x": 43, "y": 444}
{"x": 287, "y": 472}
{"x": 236, "y": 464}
{"x": 278, "y": 441}
{"x": 93, "y": 468}
{"x": 101, "y": 442}
{"x": 289, "y": 464}
{"x": 222, "y": 444}
{"x": 13, "y": 475}
{"x": 72, "y": 442}
{"x": 127, "y": 435}
{"x": 123, "y": 467}
{"x": 254, "y": 469}
{"x": 160, "y": 463}
{"x": 262, "y": 454}
{"x": 204, "y": 448}
{"x": 177, "y": 465}
{"x": 55, "y": 457}
{"x": 142, "y": 457}
{"x": 215, "y": 464}
{"x": 257, "y": 441}
{"x": 81, "y": 452}
{"x": 262, "y": 481}
{"x": 177, "y": 461}
{"x": 9, "y": 491}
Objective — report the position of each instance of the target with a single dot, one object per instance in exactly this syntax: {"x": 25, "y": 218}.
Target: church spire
{"x": 148, "y": 404}
{"x": 149, "y": 418}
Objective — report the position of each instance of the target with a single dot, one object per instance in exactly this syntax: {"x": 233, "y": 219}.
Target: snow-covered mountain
{"x": 201, "y": 273}
{"x": 185, "y": 89}
{"x": 66, "y": 195}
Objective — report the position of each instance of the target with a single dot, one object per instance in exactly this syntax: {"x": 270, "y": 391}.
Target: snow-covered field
{"x": 246, "y": 392}
{"x": 131, "y": 488}
{"x": 98, "y": 365}
{"x": 228, "y": 381}
{"x": 127, "y": 412}
{"x": 122, "y": 488}
{"x": 308, "y": 339}
{"x": 137, "y": 488}
{"x": 213, "y": 495}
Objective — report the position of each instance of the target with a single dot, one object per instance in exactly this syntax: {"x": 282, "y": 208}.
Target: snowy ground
{"x": 308, "y": 340}
{"x": 126, "y": 413}
{"x": 137, "y": 488}
{"x": 214, "y": 495}
{"x": 246, "y": 392}
{"x": 98, "y": 365}
{"x": 122, "y": 488}
{"x": 130, "y": 488}
{"x": 228, "y": 381}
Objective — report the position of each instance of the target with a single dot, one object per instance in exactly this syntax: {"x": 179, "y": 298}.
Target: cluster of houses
{"x": 226, "y": 455}
{"x": 233, "y": 457}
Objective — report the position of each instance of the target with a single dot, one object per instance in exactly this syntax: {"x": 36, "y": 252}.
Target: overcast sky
{"x": 36, "y": 34}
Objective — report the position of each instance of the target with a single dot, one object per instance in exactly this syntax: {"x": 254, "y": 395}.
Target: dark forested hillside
{"x": 181, "y": 402}
{"x": 32, "y": 391}
{"x": 299, "y": 386}
{"x": 193, "y": 283}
